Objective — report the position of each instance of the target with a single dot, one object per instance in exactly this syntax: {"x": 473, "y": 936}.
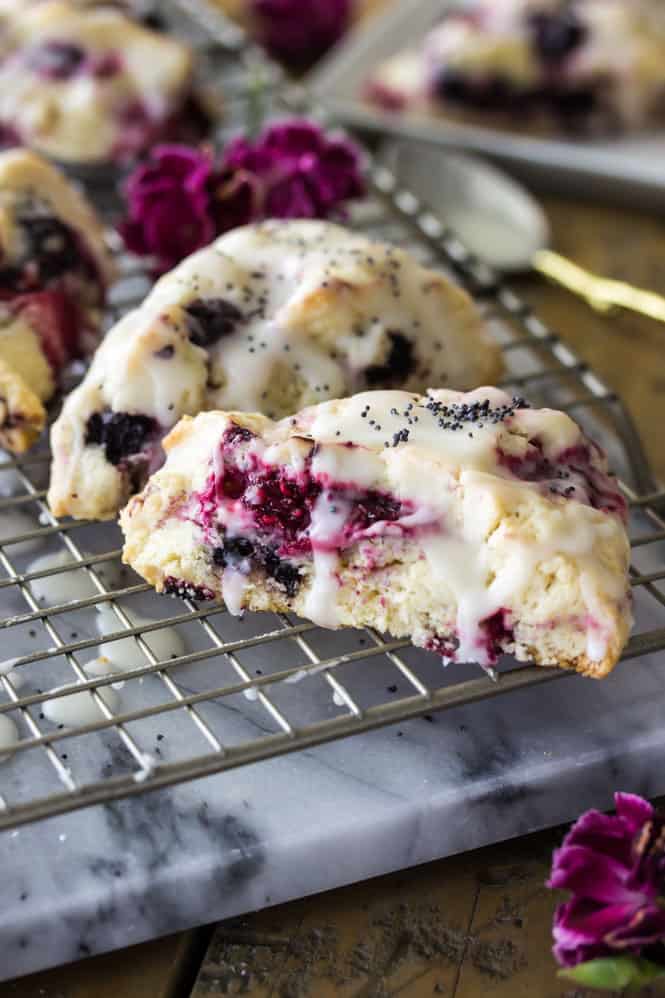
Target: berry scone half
{"x": 269, "y": 318}
{"x": 54, "y": 271}
{"x": 89, "y": 85}
{"x": 468, "y": 522}
{"x": 579, "y": 65}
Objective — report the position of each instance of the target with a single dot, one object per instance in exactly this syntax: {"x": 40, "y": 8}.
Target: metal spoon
{"x": 503, "y": 225}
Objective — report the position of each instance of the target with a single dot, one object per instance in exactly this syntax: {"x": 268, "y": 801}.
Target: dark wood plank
{"x": 164, "y": 968}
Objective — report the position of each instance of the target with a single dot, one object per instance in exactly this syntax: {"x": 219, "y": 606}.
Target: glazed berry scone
{"x": 89, "y": 85}
{"x": 588, "y": 66}
{"x": 54, "y": 271}
{"x": 269, "y": 318}
{"x": 470, "y": 523}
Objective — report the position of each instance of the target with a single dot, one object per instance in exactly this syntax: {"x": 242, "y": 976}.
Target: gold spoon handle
{"x": 602, "y": 293}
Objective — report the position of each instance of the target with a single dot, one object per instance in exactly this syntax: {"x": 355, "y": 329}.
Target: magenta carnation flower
{"x": 298, "y": 32}
{"x": 169, "y": 202}
{"x": 615, "y": 868}
{"x": 303, "y": 172}
{"x": 180, "y": 200}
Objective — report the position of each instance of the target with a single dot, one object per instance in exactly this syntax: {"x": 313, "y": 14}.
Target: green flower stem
{"x": 614, "y": 973}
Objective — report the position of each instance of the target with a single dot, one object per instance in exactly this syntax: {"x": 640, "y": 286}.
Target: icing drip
{"x": 78, "y": 709}
{"x": 329, "y": 516}
{"x": 234, "y": 584}
{"x": 124, "y": 655}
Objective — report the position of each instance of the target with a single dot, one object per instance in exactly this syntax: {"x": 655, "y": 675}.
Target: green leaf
{"x": 256, "y": 102}
{"x": 614, "y": 973}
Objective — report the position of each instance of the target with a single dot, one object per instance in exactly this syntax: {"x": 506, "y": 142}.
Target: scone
{"x": 579, "y": 65}
{"x": 89, "y": 85}
{"x": 54, "y": 270}
{"x": 272, "y": 318}
{"x": 469, "y": 523}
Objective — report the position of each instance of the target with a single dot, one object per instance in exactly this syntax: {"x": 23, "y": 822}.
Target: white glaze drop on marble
{"x": 148, "y": 765}
{"x": 124, "y": 655}
{"x": 80, "y": 708}
{"x": 8, "y": 736}
{"x": 13, "y": 523}
{"x": 65, "y": 587}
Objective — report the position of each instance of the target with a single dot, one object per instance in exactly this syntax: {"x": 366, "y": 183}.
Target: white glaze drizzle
{"x": 234, "y": 585}
{"x": 125, "y": 655}
{"x": 78, "y": 709}
{"x": 64, "y": 587}
{"x": 328, "y": 518}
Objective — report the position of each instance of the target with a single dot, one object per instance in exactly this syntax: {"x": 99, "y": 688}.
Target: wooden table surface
{"x": 473, "y": 924}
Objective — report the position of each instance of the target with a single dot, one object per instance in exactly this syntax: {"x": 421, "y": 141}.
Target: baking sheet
{"x": 630, "y": 169}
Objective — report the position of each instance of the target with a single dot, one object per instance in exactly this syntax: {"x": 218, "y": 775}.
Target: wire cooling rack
{"x": 181, "y": 658}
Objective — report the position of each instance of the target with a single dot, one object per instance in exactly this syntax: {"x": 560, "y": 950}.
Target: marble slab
{"x": 113, "y": 875}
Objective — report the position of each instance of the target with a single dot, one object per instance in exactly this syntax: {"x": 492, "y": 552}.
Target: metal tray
{"x": 250, "y": 666}
{"x": 625, "y": 168}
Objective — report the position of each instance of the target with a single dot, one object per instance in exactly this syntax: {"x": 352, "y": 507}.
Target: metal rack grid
{"x": 538, "y": 363}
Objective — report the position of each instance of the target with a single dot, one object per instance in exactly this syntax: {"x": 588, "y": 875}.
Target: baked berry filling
{"x": 261, "y": 516}
{"x": 399, "y": 364}
{"x": 123, "y": 435}
{"x": 571, "y": 475}
{"x": 495, "y": 93}
{"x": 52, "y": 255}
{"x": 56, "y": 320}
{"x": 60, "y": 60}
{"x": 9, "y": 137}
{"x": 556, "y": 35}
{"x": 493, "y": 637}
{"x": 56, "y": 60}
{"x": 242, "y": 555}
{"x": 187, "y": 590}
{"x": 209, "y": 320}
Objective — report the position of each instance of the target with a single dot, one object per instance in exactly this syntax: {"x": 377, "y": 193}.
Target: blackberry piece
{"x": 56, "y": 60}
{"x": 186, "y": 590}
{"x": 574, "y": 104}
{"x": 451, "y": 85}
{"x": 51, "y": 244}
{"x": 232, "y": 551}
{"x": 236, "y": 434}
{"x": 284, "y": 573}
{"x": 556, "y": 35}
{"x": 121, "y": 434}
{"x": 211, "y": 319}
{"x": 399, "y": 363}
{"x": 10, "y": 280}
{"x": 373, "y": 507}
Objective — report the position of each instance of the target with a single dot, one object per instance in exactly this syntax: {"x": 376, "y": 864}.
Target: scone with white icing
{"x": 269, "y": 318}
{"x": 573, "y": 65}
{"x": 88, "y": 85}
{"x": 469, "y": 523}
{"x": 54, "y": 270}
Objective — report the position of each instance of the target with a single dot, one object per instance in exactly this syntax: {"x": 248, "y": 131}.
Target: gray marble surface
{"x": 114, "y": 875}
